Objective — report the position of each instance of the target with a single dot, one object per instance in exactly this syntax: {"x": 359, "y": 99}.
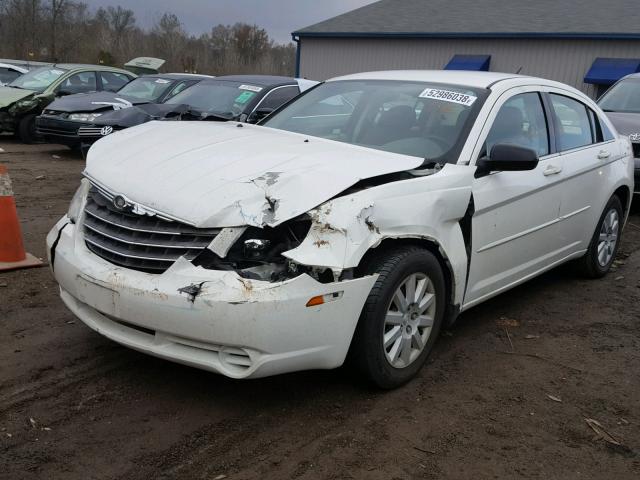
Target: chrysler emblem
{"x": 119, "y": 202}
{"x": 106, "y": 130}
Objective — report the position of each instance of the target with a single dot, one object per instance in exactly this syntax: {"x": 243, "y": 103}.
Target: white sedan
{"x": 359, "y": 218}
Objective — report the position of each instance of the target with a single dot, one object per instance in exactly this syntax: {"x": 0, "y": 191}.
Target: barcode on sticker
{"x": 449, "y": 96}
{"x": 251, "y": 88}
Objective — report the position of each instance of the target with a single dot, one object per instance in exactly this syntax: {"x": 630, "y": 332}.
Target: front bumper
{"x": 236, "y": 327}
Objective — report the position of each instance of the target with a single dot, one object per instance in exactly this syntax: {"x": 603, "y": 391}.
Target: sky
{"x": 278, "y": 17}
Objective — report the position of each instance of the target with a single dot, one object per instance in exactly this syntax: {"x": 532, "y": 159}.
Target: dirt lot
{"x": 74, "y": 405}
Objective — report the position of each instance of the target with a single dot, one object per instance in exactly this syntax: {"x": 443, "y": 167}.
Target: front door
{"x": 515, "y": 224}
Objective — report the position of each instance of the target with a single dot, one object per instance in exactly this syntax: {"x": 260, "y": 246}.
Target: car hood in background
{"x": 625, "y": 123}
{"x": 229, "y": 174}
{"x": 92, "y": 102}
{"x": 139, "y": 114}
{"x": 9, "y": 95}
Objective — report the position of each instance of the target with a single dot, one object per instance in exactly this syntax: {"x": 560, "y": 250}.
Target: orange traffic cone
{"x": 12, "y": 254}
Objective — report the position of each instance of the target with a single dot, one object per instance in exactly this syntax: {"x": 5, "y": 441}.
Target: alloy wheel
{"x": 409, "y": 320}
{"x": 608, "y": 237}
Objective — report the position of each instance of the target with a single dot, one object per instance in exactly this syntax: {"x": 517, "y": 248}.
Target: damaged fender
{"x": 428, "y": 207}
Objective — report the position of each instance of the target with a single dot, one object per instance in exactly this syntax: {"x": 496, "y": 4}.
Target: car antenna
{"x": 519, "y": 70}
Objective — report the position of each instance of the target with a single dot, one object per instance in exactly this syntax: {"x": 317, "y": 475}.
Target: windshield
{"x": 227, "y": 99}
{"x": 39, "y": 79}
{"x": 410, "y": 118}
{"x": 624, "y": 96}
{"x": 146, "y": 88}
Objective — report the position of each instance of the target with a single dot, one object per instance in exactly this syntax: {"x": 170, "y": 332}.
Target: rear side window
{"x": 112, "y": 82}
{"x": 574, "y": 127}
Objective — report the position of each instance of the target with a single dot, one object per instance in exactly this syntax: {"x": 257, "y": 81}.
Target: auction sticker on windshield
{"x": 251, "y": 88}
{"x": 449, "y": 96}
{"x": 244, "y": 97}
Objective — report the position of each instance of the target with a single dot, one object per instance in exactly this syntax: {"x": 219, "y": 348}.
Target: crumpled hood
{"x": 92, "y": 102}
{"x": 625, "y": 123}
{"x": 229, "y": 174}
{"x": 9, "y": 95}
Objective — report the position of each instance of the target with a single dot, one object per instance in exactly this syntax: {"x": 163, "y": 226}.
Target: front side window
{"x": 82, "y": 82}
{"x": 410, "y": 118}
{"x": 39, "y": 79}
{"x": 573, "y": 127}
{"x": 146, "y": 88}
{"x": 624, "y": 96}
{"x": 520, "y": 121}
{"x": 278, "y": 97}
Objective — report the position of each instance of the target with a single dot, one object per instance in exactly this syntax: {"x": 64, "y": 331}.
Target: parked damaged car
{"x": 621, "y": 103}
{"x": 360, "y": 218}
{"x": 25, "y": 97}
{"x": 71, "y": 120}
{"x": 245, "y": 98}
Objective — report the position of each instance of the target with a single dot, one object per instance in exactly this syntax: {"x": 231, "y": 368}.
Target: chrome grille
{"x": 140, "y": 242}
{"x": 90, "y": 132}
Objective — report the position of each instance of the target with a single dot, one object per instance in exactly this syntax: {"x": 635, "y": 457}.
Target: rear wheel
{"x": 27, "y": 129}
{"x": 605, "y": 241}
{"x": 402, "y": 317}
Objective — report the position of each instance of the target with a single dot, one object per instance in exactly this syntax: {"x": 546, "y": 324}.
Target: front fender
{"x": 428, "y": 207}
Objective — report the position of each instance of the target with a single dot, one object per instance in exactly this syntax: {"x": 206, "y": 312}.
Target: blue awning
{"x": 479, "y": 63}
{"x": 605, "y": 71}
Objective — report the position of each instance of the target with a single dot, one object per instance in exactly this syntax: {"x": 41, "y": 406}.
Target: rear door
{"x": 587, "y": 150}
{"x": 514, "y": 226}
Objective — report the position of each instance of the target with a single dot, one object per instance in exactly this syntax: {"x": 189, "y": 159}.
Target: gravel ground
{"x": 505, "y": 395}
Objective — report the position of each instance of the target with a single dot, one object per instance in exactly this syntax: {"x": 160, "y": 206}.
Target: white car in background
{"x": 359, "y": 218}
{"x": 9, "y": 72}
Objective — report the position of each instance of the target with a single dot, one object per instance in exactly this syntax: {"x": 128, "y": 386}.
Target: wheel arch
{"x": 434, "y": 247}
{"x": 623, "y": 192}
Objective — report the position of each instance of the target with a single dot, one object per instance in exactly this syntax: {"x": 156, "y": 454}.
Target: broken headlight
{"x": 75, "y": 208}
{"x": 258, "y": 252}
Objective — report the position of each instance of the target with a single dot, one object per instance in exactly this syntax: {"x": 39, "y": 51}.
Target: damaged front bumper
{"x": 214, "y": 320}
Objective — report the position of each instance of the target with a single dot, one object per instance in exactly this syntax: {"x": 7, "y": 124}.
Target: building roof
{"x": 486, "y": 18}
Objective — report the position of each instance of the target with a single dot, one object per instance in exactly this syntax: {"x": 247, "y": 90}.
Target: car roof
{"x": 262, "y": 80}
{"x": 454, "y": 77}
{"x": 81, "y": 66}
{"x": 14, "y": 67}
{"x": 178, "y": 76}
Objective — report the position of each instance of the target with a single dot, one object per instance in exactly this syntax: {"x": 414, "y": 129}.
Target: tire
{"x": 390, "y": 366}
{"x": 605, "y": 241}
{"x": 27, "y": 129}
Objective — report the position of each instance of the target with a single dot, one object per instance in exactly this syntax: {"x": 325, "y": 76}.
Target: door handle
{"x": 603, "y": 154}
{"x": 551, "y": 170}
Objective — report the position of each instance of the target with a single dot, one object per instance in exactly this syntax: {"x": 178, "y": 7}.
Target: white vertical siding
{"x": 562, "y": 60}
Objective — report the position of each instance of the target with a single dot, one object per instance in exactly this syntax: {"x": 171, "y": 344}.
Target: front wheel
{"x": 605, "y": 241}
{"x": 402, "y": 317}
{"x": 27, "y": 129}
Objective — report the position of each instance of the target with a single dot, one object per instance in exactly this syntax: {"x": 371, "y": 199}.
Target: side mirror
{"x": 507, "y": 158}
{"x": 63, "y": 93}
{"x": 260, "y": 113}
